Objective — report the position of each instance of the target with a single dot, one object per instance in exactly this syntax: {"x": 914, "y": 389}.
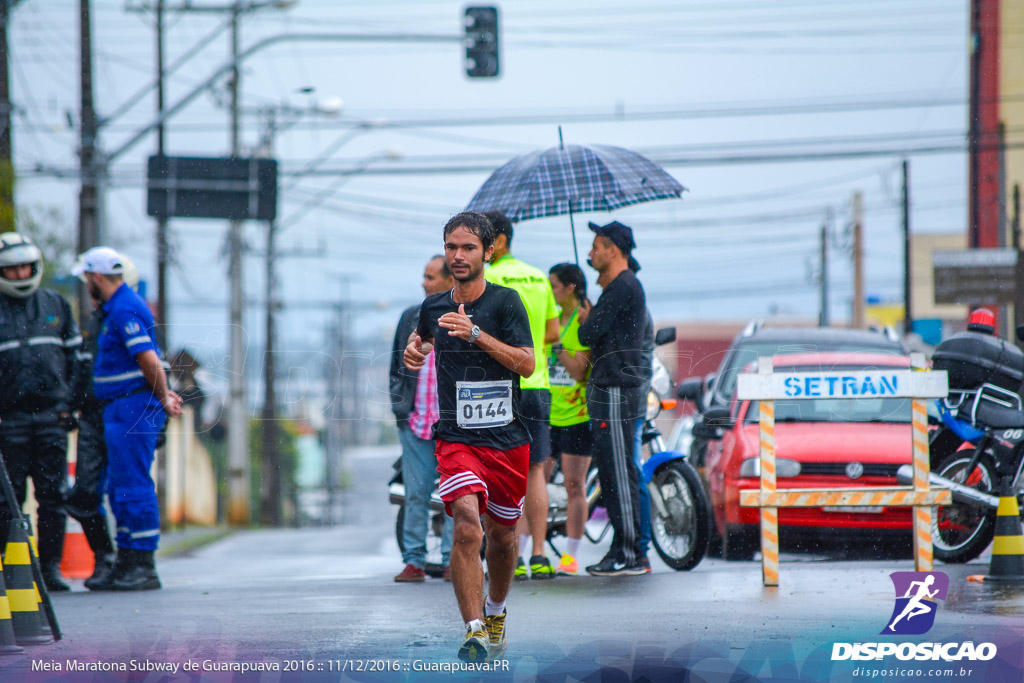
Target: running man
{"x": 914, "y": 607}
{"x": 481, "y": 339}
{"x": 535, "y": 291}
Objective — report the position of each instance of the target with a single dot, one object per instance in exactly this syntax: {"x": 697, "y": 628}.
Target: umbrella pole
{"x": 575, "y": 249}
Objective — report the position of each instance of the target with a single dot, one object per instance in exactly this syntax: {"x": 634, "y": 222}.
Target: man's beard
{"x": 473, "y": 274}
{"x": 94, "y": 291}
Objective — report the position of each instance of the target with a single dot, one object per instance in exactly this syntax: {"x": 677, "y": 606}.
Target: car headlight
{"x": 751, "y": 467}
{"x": 653, "y": 406}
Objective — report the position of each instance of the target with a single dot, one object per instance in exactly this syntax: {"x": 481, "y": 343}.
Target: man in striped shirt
{"x": 419, "y": 464}
{"x": 129, "y": 377}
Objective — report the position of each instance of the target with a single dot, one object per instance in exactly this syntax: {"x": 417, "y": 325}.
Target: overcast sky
{"x": 716, "y": 90}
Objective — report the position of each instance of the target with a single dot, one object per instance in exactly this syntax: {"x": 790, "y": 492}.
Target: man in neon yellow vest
{"x": 534, "y": 289}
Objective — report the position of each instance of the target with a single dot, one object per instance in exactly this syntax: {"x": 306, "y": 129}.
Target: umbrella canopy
{"x": 573, "y": 179}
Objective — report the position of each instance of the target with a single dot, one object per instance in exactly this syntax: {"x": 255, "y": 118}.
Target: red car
{"x": 820, "y": 443}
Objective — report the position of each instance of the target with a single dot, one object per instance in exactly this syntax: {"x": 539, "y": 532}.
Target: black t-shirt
{"x": 473, "y": 389}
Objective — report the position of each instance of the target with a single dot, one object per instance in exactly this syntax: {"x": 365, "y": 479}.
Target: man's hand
{"x": 583, "y": 311}
{"x": 457, "y": 324}
{"x": 416, "y": 353}
{"x": 171, "y": 403}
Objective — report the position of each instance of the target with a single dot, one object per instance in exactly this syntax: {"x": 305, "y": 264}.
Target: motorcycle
{"x": 680, "y": 511}
{"x": 977, "y": 451}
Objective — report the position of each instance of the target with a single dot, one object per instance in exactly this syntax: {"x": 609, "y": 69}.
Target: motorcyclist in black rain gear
{"x": 38, "y": 344}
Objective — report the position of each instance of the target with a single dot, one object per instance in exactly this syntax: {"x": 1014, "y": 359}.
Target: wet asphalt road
{"x": 326, "y": 596}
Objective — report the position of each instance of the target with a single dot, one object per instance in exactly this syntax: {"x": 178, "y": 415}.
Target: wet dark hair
{"x": 502, "y": 225}
{"x": 571, "y": 274}
{"x": 445, "y": 271}
{"x": 476, "y": 223}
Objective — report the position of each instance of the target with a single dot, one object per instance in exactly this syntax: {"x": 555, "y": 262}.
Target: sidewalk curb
{"x": 191, "y": 540}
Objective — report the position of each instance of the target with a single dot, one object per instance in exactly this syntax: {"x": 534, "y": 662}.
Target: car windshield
{"x": 749, "y": 351}
{"x": 837, "y": 410}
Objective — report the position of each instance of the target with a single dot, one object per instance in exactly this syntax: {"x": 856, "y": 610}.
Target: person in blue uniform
{"x": 85, "y": 499}
{"x": 128, "y": 376}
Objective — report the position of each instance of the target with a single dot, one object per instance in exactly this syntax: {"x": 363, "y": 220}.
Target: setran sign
{"x": 201, "y": 187}
{"x": 849, "y": 385}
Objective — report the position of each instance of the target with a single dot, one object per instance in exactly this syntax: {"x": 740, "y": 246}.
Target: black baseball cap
{"x": 622, "y": 237}
{"x": 619, "y": 234}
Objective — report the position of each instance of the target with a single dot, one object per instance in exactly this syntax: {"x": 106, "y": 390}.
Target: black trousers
{"x": 35, "y": 446}
{"x": 86, "y": 496}
{"x": 613, "y": 414}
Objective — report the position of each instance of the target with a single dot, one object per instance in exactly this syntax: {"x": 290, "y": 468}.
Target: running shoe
{"x": 521, "y": 573}
{"x": 497, "y": 639}
{"x": 611, "y": 566}
{"x": 646, "y": 564}
{"x": 540, "y": 568}
{"x": 474, "y": 649}
{"x": 568, "y": 566}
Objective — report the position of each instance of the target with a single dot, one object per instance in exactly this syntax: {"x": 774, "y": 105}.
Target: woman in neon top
{"x": 568, "y": 367}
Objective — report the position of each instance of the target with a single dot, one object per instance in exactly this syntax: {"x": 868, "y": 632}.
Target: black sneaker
{"x": 540, "y": 568}
{"x": 646, "y": 564}
{"x": 615, "y": 567}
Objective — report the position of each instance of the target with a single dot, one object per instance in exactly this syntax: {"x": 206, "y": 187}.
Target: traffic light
{"x": 481, "y": 42}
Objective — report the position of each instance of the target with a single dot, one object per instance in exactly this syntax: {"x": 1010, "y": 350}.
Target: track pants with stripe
{"x": 613, "y": 414}
{"x": 132, "y": 425}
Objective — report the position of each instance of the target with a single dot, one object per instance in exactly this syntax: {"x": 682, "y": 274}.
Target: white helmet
{"x": 17, "y": 250}
{"x": 130, "y": 275}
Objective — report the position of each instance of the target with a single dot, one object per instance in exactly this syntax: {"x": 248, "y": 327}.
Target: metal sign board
{"x": 200, "y": 187}
{"x": 859, "y": 384}
{"x": 973, "y": 276}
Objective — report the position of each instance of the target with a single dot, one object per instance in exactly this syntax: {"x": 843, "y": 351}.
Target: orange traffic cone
{"x": 78, "y": 560}
{"x": 1007, "y": 564}
{"x": 7, "y": 641}
{"x": 23, "y": 594}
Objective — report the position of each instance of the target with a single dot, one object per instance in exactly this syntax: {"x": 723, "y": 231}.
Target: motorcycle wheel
{"x": 434, "y": 565}
{"x": 681, "y": 538}
{"x": 961, "y": 532}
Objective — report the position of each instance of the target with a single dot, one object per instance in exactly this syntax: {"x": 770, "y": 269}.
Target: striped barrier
{"x": 767, "y": 386}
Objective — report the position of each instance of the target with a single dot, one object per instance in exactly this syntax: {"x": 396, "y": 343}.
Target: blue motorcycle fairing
{"x": 965, "y": 430}
{"x": 657, "y": 460}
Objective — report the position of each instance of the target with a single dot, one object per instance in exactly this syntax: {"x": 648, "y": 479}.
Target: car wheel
{"x": 740, "y": 543}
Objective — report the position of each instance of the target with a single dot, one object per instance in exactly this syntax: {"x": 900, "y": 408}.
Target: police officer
{"x": 85, "y": 500}
{"x": 38, "y": 343}
{"x": 129, "y": 377}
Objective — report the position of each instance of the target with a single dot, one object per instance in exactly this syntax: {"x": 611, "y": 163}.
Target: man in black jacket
{"x": 38, "y": 343}
{"x": 613, "y": 329}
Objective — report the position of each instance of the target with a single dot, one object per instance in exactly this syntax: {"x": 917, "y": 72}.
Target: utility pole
{"x": 88, "y": 196}
{"x": 7, "y": 217}
{"x": 823, "y": 320}
{"x": 161, "y": 222}
{"x": 908, "y": 315}
{"x": 858, "y": 260}
{"x": 238, "y": 429}
{"x": 1018, "y": 301}
{"x": 270, "y": 491}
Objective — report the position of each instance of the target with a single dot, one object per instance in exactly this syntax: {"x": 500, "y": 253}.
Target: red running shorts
{"x": 498, "y": 478}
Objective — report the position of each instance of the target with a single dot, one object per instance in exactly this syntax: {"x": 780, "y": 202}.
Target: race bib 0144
{"x": 483, "y": 405}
